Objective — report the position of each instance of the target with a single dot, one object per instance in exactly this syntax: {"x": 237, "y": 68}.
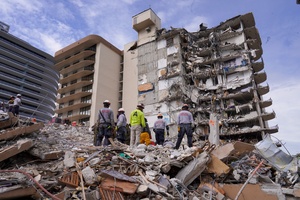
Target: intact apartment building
{"x": 90, "y": 73}
{"x": 28, "y": 71}
{"x": 217, "y": 71}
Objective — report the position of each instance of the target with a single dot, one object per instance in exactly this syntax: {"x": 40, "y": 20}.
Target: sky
{"x": 50, "y": 25}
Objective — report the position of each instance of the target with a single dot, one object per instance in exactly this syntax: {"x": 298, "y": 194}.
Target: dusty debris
{"x": 232, "y": 157}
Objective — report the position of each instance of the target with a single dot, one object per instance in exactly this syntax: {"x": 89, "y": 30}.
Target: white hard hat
{"x": 106, "y": 101}
{"x": 18, "y": 95}
{"x": 121, "y": 110}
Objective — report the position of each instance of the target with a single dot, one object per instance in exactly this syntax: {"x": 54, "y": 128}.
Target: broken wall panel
{"x": 207, "y": 69}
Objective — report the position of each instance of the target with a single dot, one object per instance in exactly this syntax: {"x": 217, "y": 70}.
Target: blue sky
{"x": 53, "y": 24}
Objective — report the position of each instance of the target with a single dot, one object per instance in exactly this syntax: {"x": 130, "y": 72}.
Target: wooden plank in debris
{"x": 110, "y": 195}
{"x": 53, "y": 155}
{"x": 217, "y": 167}
{"x": 118, "y": 185}
{"x": 13, "y": 133}
{"x": 21, "y": 145}
{"x": 250, "y": 192}
{"x": 20, "y": 193}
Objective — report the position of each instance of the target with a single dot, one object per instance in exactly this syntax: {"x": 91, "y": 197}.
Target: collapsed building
{"x": 217, "y": 71}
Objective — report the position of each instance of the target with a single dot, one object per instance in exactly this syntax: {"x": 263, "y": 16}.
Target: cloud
{"x": 286, "y": 104}
{"x": 192, "y": 25}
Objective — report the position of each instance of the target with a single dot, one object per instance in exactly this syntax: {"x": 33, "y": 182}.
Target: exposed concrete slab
{"x": 21, "y": 145}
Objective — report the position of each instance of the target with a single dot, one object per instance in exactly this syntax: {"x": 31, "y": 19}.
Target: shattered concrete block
{"x": 191, "y": 171}
{"x": 89, "y": 175}
{"x": 69, "y": 160}
{"x": 233, "y": 149}
{"x": 142, "y": 190}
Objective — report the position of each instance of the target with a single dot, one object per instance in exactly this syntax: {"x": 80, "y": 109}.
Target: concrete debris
{"x": 232, "y": 156}
{"x": 159, "y": 172}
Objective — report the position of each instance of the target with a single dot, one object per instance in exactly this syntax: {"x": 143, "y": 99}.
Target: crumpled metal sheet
{"x": 278, "y": 158}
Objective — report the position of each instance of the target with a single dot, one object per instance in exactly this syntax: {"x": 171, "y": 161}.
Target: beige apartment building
{"x": 217, "y": 71}
{"x": 90, "y": 72}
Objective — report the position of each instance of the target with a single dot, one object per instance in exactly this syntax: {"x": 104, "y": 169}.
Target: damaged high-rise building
{"x": 217, "y": 71}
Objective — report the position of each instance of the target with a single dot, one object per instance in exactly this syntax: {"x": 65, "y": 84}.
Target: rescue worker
{"x": 11, "y": 104}
{"x": 17, "y": 104}
{"x": 106, "y": 124}
{"x": 121, "y": 126}
{"x": 185, "y": 123}
{"x": 159, "y": 129}
{"x": 137, "y": 123}
{"x": 145, "y": 137}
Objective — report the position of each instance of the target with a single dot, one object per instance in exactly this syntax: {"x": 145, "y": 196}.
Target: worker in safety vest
{"x": 185, "y": 123}
{"x": 137, "y": 123}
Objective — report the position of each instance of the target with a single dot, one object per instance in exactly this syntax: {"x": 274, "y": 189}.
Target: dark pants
{"x": 105, "y": 131}
{"x": 121, "y": 134}
{"x": 159, "y": 136}
{"x": 10, "y": 108}
{"x": 15, "y": 110}
{"x": 185, "y": 129}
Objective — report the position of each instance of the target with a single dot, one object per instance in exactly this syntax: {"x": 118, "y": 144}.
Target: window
{"x": 87, "y": 88}
{"x": 87, "y": 78}
{"x": 71, "y": 102}
{"x": 59, "y": 115}
{"x": 72, "y": 92}
{"x": 61, "y": 105}
{"x": 70, "y": 113}
{"x": 74, "y": 81}
{"x": 86, "y": 99}
{"x": 85, "y": 111}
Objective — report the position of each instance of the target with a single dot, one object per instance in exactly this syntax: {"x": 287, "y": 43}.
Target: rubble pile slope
{"x": 62, "y": 163}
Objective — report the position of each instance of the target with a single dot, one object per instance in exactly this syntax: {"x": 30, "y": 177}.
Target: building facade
{"x": 216, "y": 71}
{"x": 28, "y": 71}
{"x": 90, "y": 73}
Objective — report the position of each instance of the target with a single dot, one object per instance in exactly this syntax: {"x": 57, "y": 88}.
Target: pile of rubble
{"x": 59, "y": 162}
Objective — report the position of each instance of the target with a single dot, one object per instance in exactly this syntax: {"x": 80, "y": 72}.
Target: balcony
{"x": 74, "y": 86}
{"x": 77, "y": 75}
{"x": 68, "y": 98}
{"x": 59, "y": 66}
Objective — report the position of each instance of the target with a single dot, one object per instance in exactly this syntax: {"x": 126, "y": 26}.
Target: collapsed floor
{"x": 58, "y": 162}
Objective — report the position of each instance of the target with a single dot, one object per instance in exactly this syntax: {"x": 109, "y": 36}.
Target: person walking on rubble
{"x": 121, "y": 126}
{"x": 137, "y": 123}
{"x": 17, "y": 104}
{"x": 159, "y": 129}
{"x": 11, "y": 104}
{"x": 106, "y": 124}
{"x": 185, "y": 123}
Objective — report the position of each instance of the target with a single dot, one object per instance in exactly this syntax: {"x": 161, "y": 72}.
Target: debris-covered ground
{"x": 58, "y": 162}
